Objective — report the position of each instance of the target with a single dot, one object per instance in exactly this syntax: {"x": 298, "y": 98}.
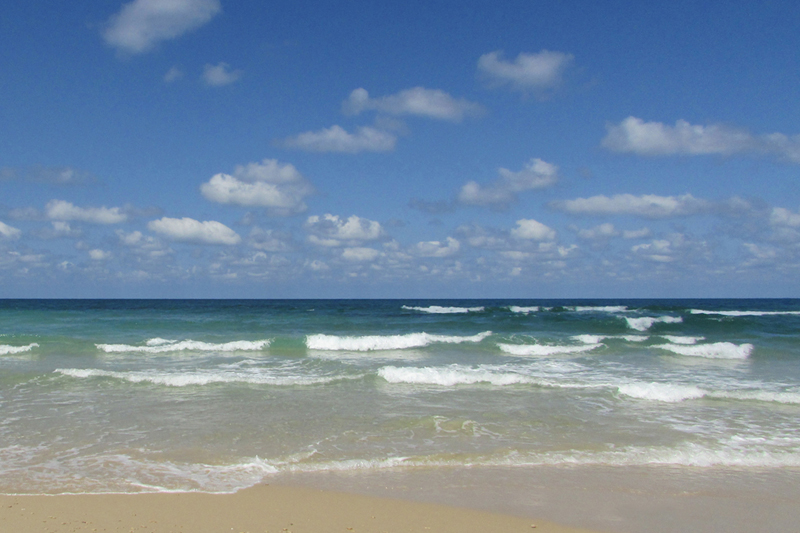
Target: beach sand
{"x": 260, "y": 509}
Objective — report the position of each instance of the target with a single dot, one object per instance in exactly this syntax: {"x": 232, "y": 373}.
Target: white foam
{"x": 7, "y": 350}
{"x": 634, "y": 338}
{"x": 662, "y": 392}
{"x": 385, "y": 342}
{"x": 449, "y": 376}
{"x": 644, "y": 323}
{"x": 524, "y": 310}
{"x": 159, "y": 342}
{"x": 436, "y": 309}
{"x": 593, "y": 339}
{"x": 599, "y": 308}
{"x": 715, "y": 350}
{"x": 163, "y": 346}
{"x": 679, "y": 339}
{"x": 185, "y": 379}
{"x": 759, "y": 395}
{"x": 546, "y": 349}
{"x": 743, "y": 313}
{"x": 589, "y": 339}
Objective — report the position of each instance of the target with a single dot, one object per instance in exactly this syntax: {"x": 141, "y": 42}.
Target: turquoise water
{"x": 135, "y": 395}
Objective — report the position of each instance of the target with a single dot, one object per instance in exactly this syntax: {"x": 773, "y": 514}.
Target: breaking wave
{"x": 209, "y": 377}
{"x": 646, "y": 322}
{"x": 546, "y": 349}
{"x": 367, "y": 343}
{"x": 439, "y": 310}
{"x": 449, "y": 376}
{"x": 715, "y": 350}
{"x": 523, "y": 310}
{"x": 158, "y": 345}
{"x": 742, "y": 313}
{"x": 8, "y": 350}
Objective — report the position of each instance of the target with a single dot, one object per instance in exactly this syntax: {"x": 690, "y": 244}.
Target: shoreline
{"x": 259, "y": 509}
{"x": 460, "y": 500}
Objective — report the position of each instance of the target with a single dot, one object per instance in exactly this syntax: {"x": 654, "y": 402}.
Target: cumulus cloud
{"x": 9, "y": 232}
{"x": 634, "y": 135}
{"x": 655, "y": 138}
{"x": 331, "y": 230}
{"x": 528, "y": 71}
{"x": 598, "y": 233}
{"x": 193, "y": 231}
{"x": 647, "y": 205}
{"x": 100, "y": 255}
{"x": 437, "y": 248}
{"x": 278, "y": 187}
{"x": 358, "y": 254}
{"x": 783, "y": 217}
{"x": 62, "y": 210}
{"x": 337, "y": 139}
{"x": 220, "y": 74}
{"x": 419, "y": 101}
{"x": 536, "y": 174}
{"x": 530, "y": 229}
{"x": 142, "y": 24}
{"x": 269, "y": 240}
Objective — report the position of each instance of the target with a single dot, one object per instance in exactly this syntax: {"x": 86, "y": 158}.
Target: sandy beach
{"x": 260, "y": 509}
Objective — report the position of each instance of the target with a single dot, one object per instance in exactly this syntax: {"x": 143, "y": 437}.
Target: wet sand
{"x": 260, "y": 509}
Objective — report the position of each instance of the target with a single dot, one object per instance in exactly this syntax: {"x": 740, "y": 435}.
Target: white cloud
{"x": 100, "y": 255}
{"x": 527, "y": 71}
{"x": 316, "y": 265}
{"x": 536, "y": 174}
{"x": 173, "y": 74}
{"x": 655, "y": 138}
{"x": 633, "y": 135}
{"x": 142, "y": 24}
{"x": 59, "y": 230}
{"x": 268, "y": 240}
{"x": 601, "y": 232}
{"x": 220, "y": 74}
{"x": 533, "y": 230}
{"x": 357, "y": 254}
{"x": 337, "y": 139}
{"x": 420, "y": 101}
{"x": 278, "y": 187}
{"x": 61, "y": 210}
{"x": 659, "y": 250}
{"x": 194, "y": 231}
{"x": 648, "y": 205}
{"x": 783, "y": 217}
{"x": 437, "y": 248}
{"x": 330, "y": 230}
{"x": 9, "y": 232}
{"x": 636, "y": 234}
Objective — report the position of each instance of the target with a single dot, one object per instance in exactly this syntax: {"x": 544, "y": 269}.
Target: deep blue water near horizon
{"x": 216, "y": 395}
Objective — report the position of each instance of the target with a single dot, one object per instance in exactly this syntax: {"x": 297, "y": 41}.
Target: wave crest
{"x": 367, "y": 343}
{"x": 439, "y": 310}
{"x": 8, "y": 350}
{"x": 546, "y": 349}
{"x": 715, "y": 350}
{"x": 163, "y": 346}
{"x": 646, "y": 322}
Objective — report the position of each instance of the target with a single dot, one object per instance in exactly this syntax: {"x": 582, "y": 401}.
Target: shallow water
{"x": 135, "y": 395}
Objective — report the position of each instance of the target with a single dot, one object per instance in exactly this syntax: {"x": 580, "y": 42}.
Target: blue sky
{"x": 207, "y": 148}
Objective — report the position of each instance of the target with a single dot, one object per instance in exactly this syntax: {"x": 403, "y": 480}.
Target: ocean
{"x": 102, "y": 396}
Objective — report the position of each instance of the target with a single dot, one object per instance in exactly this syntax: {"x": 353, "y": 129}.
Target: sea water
{"x": 217, "y": 395}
